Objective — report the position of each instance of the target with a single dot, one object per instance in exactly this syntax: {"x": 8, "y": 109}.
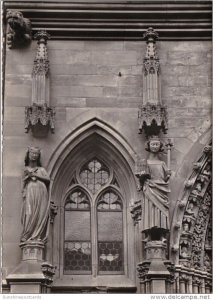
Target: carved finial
{"x": 42, "y": 36}
{"x": 151, "y": 36}
{"x": 41, "y": 62}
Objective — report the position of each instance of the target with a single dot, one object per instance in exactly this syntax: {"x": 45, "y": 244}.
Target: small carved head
{"x": 154, "y": 145}
{"x": 33, "y": 154}
{"x": 15, "y": 19}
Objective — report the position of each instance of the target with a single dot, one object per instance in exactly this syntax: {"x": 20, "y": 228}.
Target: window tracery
{"x": 93, "y": 222}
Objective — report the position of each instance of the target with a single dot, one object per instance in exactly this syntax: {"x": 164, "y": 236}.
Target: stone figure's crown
{"x": 34, "y": 149}
{"x": 154, "y": 138}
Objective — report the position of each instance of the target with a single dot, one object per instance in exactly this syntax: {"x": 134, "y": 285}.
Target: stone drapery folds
{"x": 35, "y": 212}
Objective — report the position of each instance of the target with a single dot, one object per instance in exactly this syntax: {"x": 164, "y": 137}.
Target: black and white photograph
{"x": 106, "y": 147}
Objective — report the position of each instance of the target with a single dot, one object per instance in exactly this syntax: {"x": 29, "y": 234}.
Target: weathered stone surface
{"x": 116, "y": 58}
{"x": 77, "y": 91}
{"x": 68, "y": 101}
{"x": 103, "y": 80}
{"x": 84, "y": 80}
{"x": 76, "y": 69}
{"x": 21, "y": 90}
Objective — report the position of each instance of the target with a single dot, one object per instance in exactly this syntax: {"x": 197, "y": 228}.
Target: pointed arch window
{"x": 93, "y": 222}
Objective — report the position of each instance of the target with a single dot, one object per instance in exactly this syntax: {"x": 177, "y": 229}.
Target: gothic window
{"x": 93, "y": 222}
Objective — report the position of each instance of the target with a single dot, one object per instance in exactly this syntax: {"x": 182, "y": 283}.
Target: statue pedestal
{"x": 32, "y": 251}
{"x": 32, "y": 275}
{"x": 155, "y": 250}
{"x": 155, "y": 272}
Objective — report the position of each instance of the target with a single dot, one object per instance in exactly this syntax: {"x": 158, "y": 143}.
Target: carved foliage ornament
{"x": 18, "y": 29}
{"x": 151, "y": 66}
{"x": 49, "y": 271}
{"x": 196, "y": 215}
{"x": 41, "y": 62}
{"x": 39, "y": 114}
{"x": 136, "y": 211}
{"x": 199, "y": 231}
{"x": 152, "y": 119}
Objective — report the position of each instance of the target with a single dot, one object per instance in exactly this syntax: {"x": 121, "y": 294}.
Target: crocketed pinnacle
{"x": 41, "y": 62}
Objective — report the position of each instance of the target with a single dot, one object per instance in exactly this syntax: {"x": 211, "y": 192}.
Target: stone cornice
{"x": 118, "y": 20}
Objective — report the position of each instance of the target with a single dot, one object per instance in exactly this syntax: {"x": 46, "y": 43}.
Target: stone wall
{"x": 104, "y": 80}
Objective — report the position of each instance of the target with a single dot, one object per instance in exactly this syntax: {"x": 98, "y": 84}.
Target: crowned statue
{"x": 35, "y": 210}
{"x": 153, "y": 180}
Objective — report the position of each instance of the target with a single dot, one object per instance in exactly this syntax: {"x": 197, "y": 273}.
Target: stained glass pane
{"x": 110, "y": 257}
{"x": 110, "y": 234}
{"x": 77, "y": 225}
{"x": 94, "y": 175}
{"x": 77, "y": 257}
{"x": 110, "y": 226}
{"x": 77, "y": 245}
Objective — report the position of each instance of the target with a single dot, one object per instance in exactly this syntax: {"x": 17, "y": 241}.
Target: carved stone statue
{"x": 184, "y": 252}
{"x": 35, "y": 211}
{"x": 154, "y": 183}
{"x": 18, "y": 29}
{"x": 190, "y": 210}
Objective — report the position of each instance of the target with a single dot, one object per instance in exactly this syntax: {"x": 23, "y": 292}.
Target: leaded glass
{"x": 110, "y": 226}
{"x": 77, "y": 225}
{"x": 77, "y": 245}
{"x": 77, "y": 257}
{"x": 110, "y": 233}
{"x": 94, "y": 175}
{"x": 110, "y": 257}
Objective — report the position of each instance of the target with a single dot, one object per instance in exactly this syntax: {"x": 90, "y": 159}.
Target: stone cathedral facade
{"x": 107, "y": 147}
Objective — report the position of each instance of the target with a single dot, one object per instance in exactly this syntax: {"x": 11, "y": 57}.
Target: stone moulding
{"x": 194, "y": 215}
{"x": 118, "y": 20}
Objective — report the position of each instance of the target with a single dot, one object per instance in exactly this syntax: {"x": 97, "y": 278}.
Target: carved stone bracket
{"x": 49, "y": 271}
{"x": 18, "y": 30}
{"x": 53, "y": 211}
{"x": 38, "y": 116}
{"x": 136, "y": 211}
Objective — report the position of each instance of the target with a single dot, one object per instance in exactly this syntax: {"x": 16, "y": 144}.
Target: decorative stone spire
{"x": 40, "y": 116}
{"x": 152, "y": 114}
{"x": 40, "y": 73}
{"x": 41, "y": 62}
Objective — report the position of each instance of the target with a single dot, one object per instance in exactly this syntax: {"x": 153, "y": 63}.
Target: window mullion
{"x": 94, "y": 239}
